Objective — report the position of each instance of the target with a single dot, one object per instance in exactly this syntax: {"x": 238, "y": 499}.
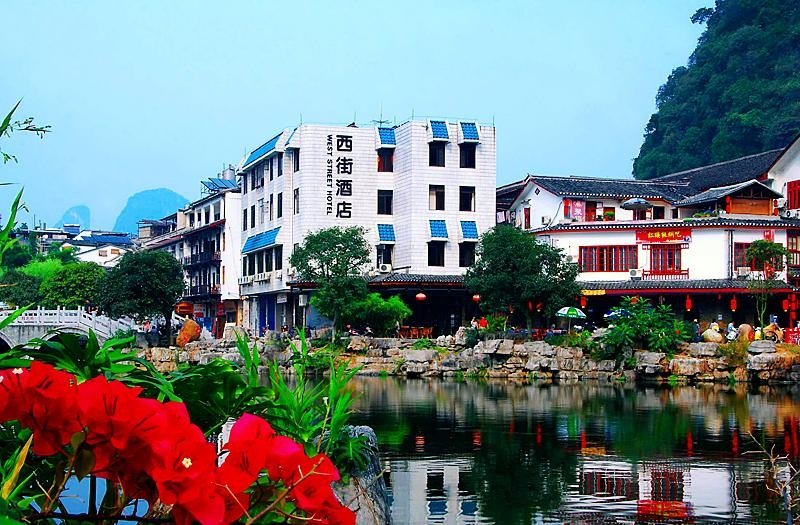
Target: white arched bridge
{"x": 41, "y": 323}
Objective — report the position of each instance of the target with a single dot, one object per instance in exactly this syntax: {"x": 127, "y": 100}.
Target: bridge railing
{"x": 78, "y": 318}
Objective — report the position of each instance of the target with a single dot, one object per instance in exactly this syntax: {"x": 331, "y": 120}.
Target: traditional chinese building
{"x": 679, "y": 239}
{"x": 422, "y": 190}
{"x": 205, "y": 237}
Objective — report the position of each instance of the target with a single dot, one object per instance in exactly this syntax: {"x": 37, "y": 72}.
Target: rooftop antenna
{"x": 301, "y": 118}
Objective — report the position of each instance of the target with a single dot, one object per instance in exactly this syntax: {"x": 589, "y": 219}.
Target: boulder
{"x": 384, "y": 343}
{"x": 746, "y": 332}
{"x": 712, "y": 336}
{"x": 415, "y": 368}
{"x": 231, "y": 332}
{"x": 449, "y": 340}
{"x": 687, "y": 366}
{"x": 441, "y": 341}
{"x": 418, "y": 356}
{"x": 506, "y": 347}
{"x": 533, "y": 363}
{"x": 365, "y": 493}
{"x": 490, "y": 346}
{"x": 539, "y": 347}
{"x": 190, "y": 331}
{"x": 606, "y": 365}
{"x": 645, "y": 358}
{"x": 765, "y": 361}
{"x": 359, "y": 343}
{"x": 761, "y": 347}
{"x": 461, "y": 336}
{"x": 703, "y": 349}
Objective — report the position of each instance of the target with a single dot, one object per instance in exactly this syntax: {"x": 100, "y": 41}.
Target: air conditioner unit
{"x": 742, "y": 271}
{"x": 636, "y": 274}
{"x": 279, "y": 275}
{"x": 302, "y": 300}
{"x": 384, "y": 268}
{"x": 546, "y": 219}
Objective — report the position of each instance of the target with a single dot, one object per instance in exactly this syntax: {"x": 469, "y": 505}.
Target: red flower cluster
{"x": 154, "y": 452}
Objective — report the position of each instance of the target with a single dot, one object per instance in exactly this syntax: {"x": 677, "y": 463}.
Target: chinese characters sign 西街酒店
{"x": 664, "y": 235}
{"x": 339, "y": 163}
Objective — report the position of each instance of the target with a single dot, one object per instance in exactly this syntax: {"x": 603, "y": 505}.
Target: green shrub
{"x": 423, "y": 343}
{"x": 638, "y": 324}
{"x": 20, "y": 289}
{"x": 382, "y": 315}
{"x": 471, "y": 337}
{"x": 734, "y": 352}
{"x": 496, "y": 323}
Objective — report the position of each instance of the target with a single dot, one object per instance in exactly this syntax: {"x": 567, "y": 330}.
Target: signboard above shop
{"x": 664, "y": 235}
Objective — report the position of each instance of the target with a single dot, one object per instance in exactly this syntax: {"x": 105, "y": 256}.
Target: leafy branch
{"x": 7, "y": 126}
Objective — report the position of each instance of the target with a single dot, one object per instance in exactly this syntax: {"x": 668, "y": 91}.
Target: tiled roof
{"x": 95, "y": 239}
{"x": 413, "y": 278}
{"x": 687, "y": 284}
{"x": 469, "y": 131}
{"x": 439, "y": 129}
{"x": 728, "y": 222}
{"x": 722, "y": 173}
{"x": 469, "y": 230}
{"x": 386, "y": 232}
{"x": 587, "y": 187}
{"x": 714, "y": 194}
{"x": 438, "y": 229}
{"x": 386, "y": 136}
{"x": 260, "y": 240}
{"x": 262, "y": 150}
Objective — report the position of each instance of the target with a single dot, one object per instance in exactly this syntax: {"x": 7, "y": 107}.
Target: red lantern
{"x": 476, "y": 298}
{"x": 583, "y": 301}
{"x": 785, "y": 304}
{"x": 539, "y": 307}
{"x": 530, "y": 306}
{"x": 420, "y": 296}
{"x": 688, "y": 302}
{"x": 734, "y": 304}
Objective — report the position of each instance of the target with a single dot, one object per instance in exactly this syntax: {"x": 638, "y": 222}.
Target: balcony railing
{"x": 665, "y": 275}
{"x": 201, "y": 258}
{"x": 201, "y": 289}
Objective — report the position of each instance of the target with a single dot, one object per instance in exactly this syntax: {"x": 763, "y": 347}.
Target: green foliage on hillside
{"x": 738, "y": 95}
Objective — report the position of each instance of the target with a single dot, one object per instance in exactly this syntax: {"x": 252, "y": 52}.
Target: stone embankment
{"x": 538, "y": 361}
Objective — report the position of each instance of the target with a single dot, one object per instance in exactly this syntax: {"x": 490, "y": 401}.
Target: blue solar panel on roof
{"x": 438, "y": 229}
{"x": 470, "y": 131}
{"x": 223, "y": 183}
{"x": 439, "y": 129}
{"x": 386, "y": 232}
{"x": 263, "y": 149}
{"x": 469, "y": 229}
{"x": 387, "y": 136}
{"x": 210, "y": 186}
{"x": 260, "y": 240}
{"x": 108, "y": 239}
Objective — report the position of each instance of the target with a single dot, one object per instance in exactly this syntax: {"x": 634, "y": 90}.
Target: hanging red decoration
{"x": 530, "y": 306}
{"x": 689, "y": 303}
{"x": 420, "y": 296}
{"x": 476, "y": 298}
{"x": 539, "y": 307}
{"x": 785, "y": 305}
{"x": 583, "y": 301}
{"x": 734, "y": 304}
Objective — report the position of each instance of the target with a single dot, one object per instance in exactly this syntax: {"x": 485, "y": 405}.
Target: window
{"x": 244, "y": 182}
{"x": 793, "y": 247}
{"x": 466, "y": 254}
{"x": 607, "y": 258}
{"x": 386, "y": 159}
{"x": 103, "y": 253}
{"x": 435, "y": 197}
{"x": 591, "y": 211}
{"x": 436, "y": 253}
{"x": 114, "y": 251}
{"x": 467, "y": 154}
{"x": 268, "y": 260}
{"x": 740, "y": 254}
{"x": 244, "y": 265}
{"x": 261, "y": 174}
{"x": 271, "y": 173}
{"x": 384, "y": 254}
{"x": 254, "y": 179}
{"x": 261, "y": 211}
{"x": 217, "y": 212}
{"x": 609, "y": 213}
{"x": 385, "y": 202}
{"x": 466, "y": 198}
{"x": 640, "y": 215}
{"x": 793, "y": 194}
{"x": 296, "y": 201}
{"x": 436, "y": 154}
{"x": 270, "y": 206}
{"x": 665, "y": 258}
{"x": 296, "y": 160}
{"x": 526, "y": 218}
{"x": 260, "y": 262}
{"x": 280, "y": 205}
{"x": 253, "y": 216}
{"x": 244, "y": 219}
{"x": 658, "y": 212}
{"x": 207, "y": 212}
{"x": 251, "y": 264}
{"x": 278, "y": 257}
{"x": 280, "y": 164}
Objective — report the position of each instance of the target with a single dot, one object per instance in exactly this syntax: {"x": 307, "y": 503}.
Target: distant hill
{"x": 76, "y": 215}
{"x": 148, "y": 204}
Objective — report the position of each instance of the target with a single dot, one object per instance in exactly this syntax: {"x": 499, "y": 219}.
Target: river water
{"x": 472, "y": 452}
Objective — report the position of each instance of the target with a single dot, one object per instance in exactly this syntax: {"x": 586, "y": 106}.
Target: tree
{"x": 143, "y": 284}
{"x": 381, "y": 315}
{"x": 738, "y": 95}
{"x": 17, "y": 255}
{"x": 64, "y": 254}
{"x": 515, "y": 271}
{"x": 334, "y": 260}
{"x": 72, "y": 285}
{"x": 766, "y": 257}
{"x": 20, "y": 289}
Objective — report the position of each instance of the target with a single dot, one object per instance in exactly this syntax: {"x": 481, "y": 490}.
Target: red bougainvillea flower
{"x": 248, "y": 448}
{"x": 43, "y": 399}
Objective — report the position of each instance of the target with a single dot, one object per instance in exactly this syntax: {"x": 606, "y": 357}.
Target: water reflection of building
{"x": 431, "y": 491}
{"x": 605, "y": 479}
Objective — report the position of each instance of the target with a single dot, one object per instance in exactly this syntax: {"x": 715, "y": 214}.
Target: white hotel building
{"x": 423, "y": 190}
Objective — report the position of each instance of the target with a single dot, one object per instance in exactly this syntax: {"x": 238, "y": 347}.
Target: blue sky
{"x": 162, "y": 94}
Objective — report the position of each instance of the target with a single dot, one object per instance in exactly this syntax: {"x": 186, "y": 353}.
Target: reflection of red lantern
{"x": 420, "y": 296}
{"x": 583, "y": 301}
{"x": 530, "y": 306}
{"x": 688, "y": 302}
{"x": 785, "y": 305}
{"x": 476, "y": 298}
{"x": 734, "y": 304}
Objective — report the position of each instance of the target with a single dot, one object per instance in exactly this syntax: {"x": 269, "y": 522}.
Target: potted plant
{"x": 608, "y": 215}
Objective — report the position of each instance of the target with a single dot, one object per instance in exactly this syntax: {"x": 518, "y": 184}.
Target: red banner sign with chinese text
{"x": 664, "y": 235}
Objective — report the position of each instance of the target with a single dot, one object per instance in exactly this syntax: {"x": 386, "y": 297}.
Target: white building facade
{"x": 423, "y": 191}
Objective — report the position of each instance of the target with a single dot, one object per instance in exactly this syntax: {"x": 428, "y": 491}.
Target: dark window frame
{"x": 438, "y": 192}
{"x": 601, "y": 259}
{"x": 467, "y": 155}
{"x": 436, "y": 253}
{"x": 462, "y": 192}
{"x": 466, "y": 254}
{"x": 385, "y": 160}
{"x": 385, "y": 202}
{"x": 437, "y": 151}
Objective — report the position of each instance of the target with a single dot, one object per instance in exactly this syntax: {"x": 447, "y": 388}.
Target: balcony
{"x": 665, "y": 275}
{"x": 201, "y": 290}
{"x": 202, "y": 258}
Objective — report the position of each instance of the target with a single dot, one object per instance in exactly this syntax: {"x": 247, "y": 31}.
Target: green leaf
{"x": 11, "y": 482}
{"x": 84, "y": 462}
